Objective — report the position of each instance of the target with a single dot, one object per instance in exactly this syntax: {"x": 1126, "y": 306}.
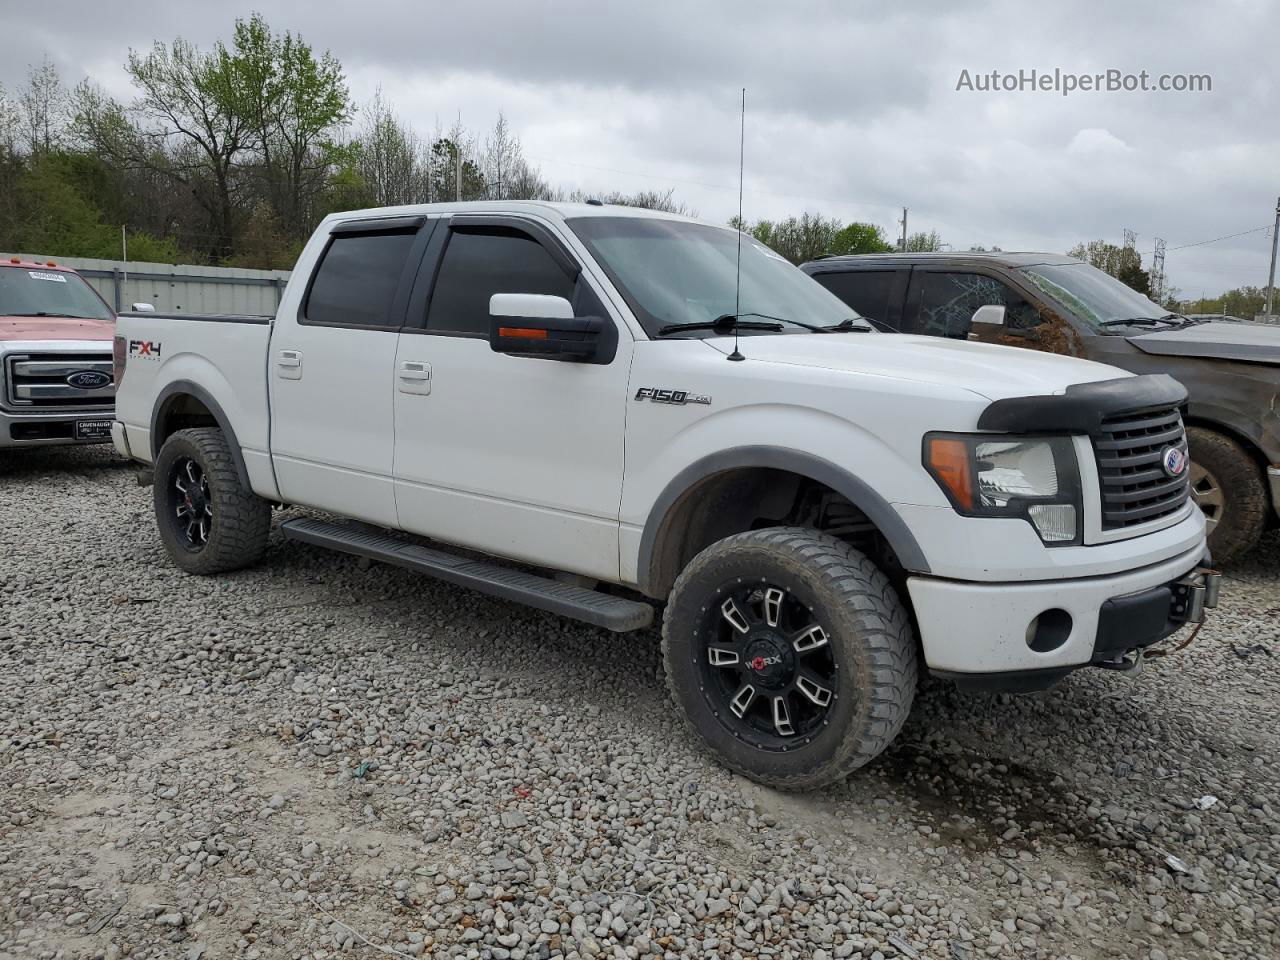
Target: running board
{"x": 613, "y": 613}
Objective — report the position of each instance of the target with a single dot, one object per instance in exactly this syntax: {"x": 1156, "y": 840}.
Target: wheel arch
{"x": 660, "y": 552}
{"x": 182, "y": 404}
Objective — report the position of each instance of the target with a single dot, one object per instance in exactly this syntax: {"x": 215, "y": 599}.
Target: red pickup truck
{"x": 56, "y": 380}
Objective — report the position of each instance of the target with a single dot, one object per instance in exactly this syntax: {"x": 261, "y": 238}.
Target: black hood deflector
{"x": 1083, "y": 407}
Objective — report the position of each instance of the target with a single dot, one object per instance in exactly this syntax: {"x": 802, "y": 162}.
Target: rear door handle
{"x": 414, "y": 377}
{"x": 289, "y": 364}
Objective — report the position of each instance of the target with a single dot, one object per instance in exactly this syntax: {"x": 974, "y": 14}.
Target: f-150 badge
{"x": 678, "y": 397}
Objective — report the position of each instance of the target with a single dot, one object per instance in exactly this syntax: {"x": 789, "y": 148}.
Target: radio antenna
{"x": 737, "y": 279}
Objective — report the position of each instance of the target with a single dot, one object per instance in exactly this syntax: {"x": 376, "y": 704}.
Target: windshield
{"x": 675, "y": 272}
{"x": 28, "y": 292}
{"x": 1094, "y": 296}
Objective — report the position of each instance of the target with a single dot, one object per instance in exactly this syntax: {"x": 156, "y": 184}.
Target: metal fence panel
{"x": 181, "y": 288}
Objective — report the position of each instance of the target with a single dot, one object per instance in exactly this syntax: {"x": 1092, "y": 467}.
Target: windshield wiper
{"x": 1170, "y": 318}
{"x": 727, "y": 323}
{"x": 845, "y": 325}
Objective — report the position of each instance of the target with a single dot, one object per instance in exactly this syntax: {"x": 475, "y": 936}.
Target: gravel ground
{"x": 323, "y": 757}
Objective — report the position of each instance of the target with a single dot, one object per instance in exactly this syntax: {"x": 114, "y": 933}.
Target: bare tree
{"x": 663, "y": 200}
{"x": 10, "y": 124}
{"x": 44, "y": 108}
{"x": 391, "y": 157}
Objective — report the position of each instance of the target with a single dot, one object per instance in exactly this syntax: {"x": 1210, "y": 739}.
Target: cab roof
{"x": 544, "y": 208}
{"x": 1004, "y": 258}
{"x": 10, "y": 261}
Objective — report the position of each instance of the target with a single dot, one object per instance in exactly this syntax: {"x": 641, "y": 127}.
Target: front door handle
{"x": 414, "y": 377}
{"x": 289, "y": 364}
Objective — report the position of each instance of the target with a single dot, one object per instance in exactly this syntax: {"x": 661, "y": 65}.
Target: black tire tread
{"x": 1244, "y": 515}
{"x": 881, "y": 623}
{"x": 242, "y": 519}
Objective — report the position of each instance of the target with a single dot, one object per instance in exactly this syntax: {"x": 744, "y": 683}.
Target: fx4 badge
{"x": 145, "y": 348}
{"x": 678, "y": 397}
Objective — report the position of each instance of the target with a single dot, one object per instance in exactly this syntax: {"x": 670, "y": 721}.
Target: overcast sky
{"x": 852, "y": 107}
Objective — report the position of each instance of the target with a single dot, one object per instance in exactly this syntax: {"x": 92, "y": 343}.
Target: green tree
{"x": 199, "y": 107}
{"x": 860, "y": 238}
{"x": 924, "y": 242}
{"x": 294, "y": 102}
{"x": 798, "y": 239}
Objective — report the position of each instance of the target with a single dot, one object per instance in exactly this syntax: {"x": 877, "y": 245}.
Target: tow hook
{"x": 1128, "y": 665}
{"x": 1195, "y": 593}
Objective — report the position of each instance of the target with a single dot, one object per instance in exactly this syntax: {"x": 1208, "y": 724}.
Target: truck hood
{"x": 55, "y": 328}
{"x": 1250, "y": 342}
{"x": 992, "y": 371}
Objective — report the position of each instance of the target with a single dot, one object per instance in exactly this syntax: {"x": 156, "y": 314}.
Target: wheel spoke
{"x": 179, "y": 485}
{"x": 782, "y": 717}
{"x": 183, "y": 510}
{"x": 773, "y": 598}
{"x": 737, "y": 617}
{"x": 808, "y": 639}
{"x": 723, "y": 656}
{"x": 742, "y": 700}
{"x": 203, "y": 527}
{"x": 191, "y": 472}
{"x": 813, "y": 689}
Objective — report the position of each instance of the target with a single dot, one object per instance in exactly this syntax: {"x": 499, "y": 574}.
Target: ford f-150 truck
{"x": 644, "y": 408}
{"x": 55, "y": 357}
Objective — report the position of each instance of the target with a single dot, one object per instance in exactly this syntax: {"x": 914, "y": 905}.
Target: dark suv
{"x": 1050, "y": 302}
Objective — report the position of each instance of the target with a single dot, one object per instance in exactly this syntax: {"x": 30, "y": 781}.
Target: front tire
{"x": 1226, "y": 484}
{"x": 790, "y": 655}
{"x": 208, "y": 520}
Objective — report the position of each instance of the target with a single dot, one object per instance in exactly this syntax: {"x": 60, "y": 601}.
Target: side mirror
{"x": 992, "y": 314}
{"x": 144, "y": 308}
{"x": 536, "y": 325}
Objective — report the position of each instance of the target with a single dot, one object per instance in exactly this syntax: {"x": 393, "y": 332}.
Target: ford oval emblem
{"x": 1174, "y": 461}
{"x": 88, "y": 379}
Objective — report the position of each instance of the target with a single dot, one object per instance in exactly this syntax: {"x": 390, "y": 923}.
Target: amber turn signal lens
{"x": 523, "y": 333}
{"x": 949, "y": 461}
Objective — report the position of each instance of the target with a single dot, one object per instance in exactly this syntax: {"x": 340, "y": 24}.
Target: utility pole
{"x": 124, "y": 251}
{"x": 457, "y": 153}
{"x": 902, "y": 244}
{"x": 1271, "y": 279}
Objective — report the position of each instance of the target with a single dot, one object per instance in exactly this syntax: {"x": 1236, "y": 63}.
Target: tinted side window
{"x": 357, "y": 278}
{"x": 477, "y": 265}
{"x": 867, "y": 291}
{"x": 945, "y": 303}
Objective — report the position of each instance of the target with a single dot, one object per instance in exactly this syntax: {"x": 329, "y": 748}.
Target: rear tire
{"x": 795, "y": 616}
{"x": 208, "y": 520}
{"x": 1226, "y": 484}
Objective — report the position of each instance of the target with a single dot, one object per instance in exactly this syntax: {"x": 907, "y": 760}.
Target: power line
{"x": 1229, "y": 236}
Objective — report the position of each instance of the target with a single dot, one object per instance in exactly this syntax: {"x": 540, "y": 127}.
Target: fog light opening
{"x": 1049, "y": 631}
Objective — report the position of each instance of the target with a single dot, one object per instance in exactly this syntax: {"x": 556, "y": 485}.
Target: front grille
{"x": 39, "y": 381}
{"x": 1130, "y": 450}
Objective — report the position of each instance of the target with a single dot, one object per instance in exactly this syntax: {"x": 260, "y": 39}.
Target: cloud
{"x": 852, "y": 106}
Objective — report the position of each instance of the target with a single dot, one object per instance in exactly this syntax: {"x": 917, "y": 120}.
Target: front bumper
{"x": 1043, "y": 630}
{"x": 47, "y": 429}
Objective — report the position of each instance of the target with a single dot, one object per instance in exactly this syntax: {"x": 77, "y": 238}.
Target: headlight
{"x": 1032, "y": 478}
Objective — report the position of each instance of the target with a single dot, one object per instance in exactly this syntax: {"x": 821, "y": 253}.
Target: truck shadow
{"x": 33, "y": 462}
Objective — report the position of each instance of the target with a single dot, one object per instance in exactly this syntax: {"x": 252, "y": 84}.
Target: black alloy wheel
{"x": 193, "y": 507}
{"x": 769, "y": 672}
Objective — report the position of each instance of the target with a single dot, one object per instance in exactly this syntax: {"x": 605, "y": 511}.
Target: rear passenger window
{"x": 357, "y": 279}
{"x": 867, "y": 291}
{"x": 477, "y": 265}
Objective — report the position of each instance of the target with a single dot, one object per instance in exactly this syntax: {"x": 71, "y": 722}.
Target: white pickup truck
{"x": 608, "y": 396}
